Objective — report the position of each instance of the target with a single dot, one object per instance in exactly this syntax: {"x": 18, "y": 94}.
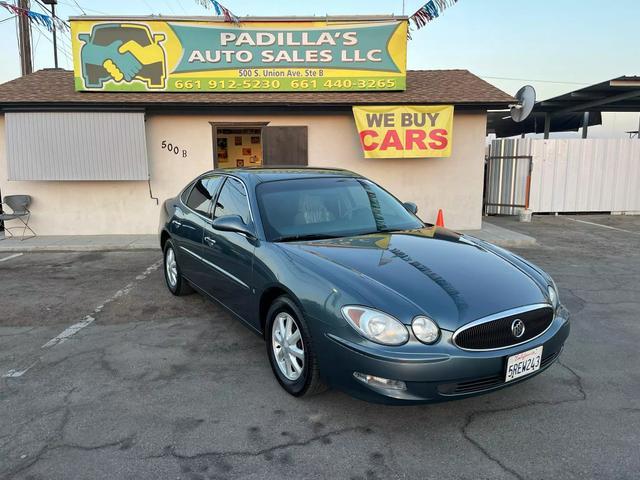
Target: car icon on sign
{"x": 123, "y": 52}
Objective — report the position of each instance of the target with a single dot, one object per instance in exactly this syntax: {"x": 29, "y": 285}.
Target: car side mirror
{"x": 84, "y": 37}
{"x": 411, "y": 207}
{"x": 159, "y": 37}
{"x": 233, "y": 223}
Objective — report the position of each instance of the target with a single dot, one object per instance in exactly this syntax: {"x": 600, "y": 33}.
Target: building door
{"x": 285, "y": 146}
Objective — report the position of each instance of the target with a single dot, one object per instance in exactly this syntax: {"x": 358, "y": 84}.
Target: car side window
{"x": 202, "y": 194}
{"x": 233, "y": 201}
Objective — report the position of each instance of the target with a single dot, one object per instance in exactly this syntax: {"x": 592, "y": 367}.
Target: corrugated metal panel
{"x": 506, "y": 176}
{"x": 76, "y": 146}
{"x": 576, "y": 175}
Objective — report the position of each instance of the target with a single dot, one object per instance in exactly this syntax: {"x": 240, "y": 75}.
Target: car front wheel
{"x": 290, "y": 349}
{"x": 172, "y": 275}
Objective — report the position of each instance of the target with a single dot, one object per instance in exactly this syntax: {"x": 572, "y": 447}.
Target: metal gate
{"x": 507, "y": 184}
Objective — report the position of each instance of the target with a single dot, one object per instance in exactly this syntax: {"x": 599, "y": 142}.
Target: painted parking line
{"x": 603, "y": 226}
{"x": 13, "y": 373}
{"x": 86, "y": 321}
{"x": 89, "y": 319}
{"x": 15, "y": 255}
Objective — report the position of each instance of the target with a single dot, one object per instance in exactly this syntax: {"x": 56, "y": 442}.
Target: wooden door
{"x": 285, "y": 146}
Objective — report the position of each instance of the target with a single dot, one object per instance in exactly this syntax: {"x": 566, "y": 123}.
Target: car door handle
{"x": 176, "y": 223}
{"x": 210, "y": 241}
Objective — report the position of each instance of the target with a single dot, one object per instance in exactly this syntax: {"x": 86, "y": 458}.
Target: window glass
{"x": 233, "y": 201}
{"x": 202, "y": 194}
{"x": 185, "y": 194}
{"x": 329, "y": 207}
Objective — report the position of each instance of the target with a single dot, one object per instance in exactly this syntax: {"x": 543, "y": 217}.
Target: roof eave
{"x": 111, "y": 106}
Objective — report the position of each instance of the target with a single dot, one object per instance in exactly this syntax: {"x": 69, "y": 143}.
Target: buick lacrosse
{"x": 350, "y": 289}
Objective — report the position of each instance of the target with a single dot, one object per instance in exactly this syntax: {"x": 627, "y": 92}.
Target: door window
{"x": 202, "y": 194}
{"x": 233, "y": 201}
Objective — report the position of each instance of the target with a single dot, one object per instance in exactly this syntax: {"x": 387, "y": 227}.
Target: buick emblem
{"x": 517, "y": 328}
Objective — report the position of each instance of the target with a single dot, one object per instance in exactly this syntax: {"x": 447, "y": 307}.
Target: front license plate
{"x": 523, "y": 364}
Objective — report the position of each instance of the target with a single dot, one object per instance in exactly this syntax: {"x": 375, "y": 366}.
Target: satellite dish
{"x": 526, "y": 97}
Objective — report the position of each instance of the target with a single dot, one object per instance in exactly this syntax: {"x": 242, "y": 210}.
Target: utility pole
{"x": 53, "y": 4}
{"x": 24, "y": 33}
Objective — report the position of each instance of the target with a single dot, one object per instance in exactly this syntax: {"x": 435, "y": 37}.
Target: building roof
{"x": 566, "y": 111}
{"x": 54, "y": 88}
{"x": 621, "y": 94}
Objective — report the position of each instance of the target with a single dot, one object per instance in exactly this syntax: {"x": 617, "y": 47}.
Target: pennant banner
{"x": 430, "y": 11}
{"x": 39, "y": 18}
{"x": 220, "y": 10}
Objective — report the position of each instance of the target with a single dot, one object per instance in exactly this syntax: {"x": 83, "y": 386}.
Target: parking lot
{"x": 147, "y": 385}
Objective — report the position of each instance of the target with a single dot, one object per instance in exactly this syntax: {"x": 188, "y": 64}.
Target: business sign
{"x": 200, "y": 56}
{"x": 405, "y": 131}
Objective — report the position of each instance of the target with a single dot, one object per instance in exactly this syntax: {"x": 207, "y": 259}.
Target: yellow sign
{"x": 200, "y": 56}
{"x": 405, "y": 131}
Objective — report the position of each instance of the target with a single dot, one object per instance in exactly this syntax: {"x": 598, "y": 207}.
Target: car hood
{"x": 450, "y": 277}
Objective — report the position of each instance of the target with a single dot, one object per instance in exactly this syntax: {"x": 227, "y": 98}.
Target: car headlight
{"x": 553, "y": 296}
{"x": 375, "y": 325}
{"x": 425, "y": 330}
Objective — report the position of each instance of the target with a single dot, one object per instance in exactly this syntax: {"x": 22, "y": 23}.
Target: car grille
{"x": 487, "y": 383}
{"x": 497, "y": 333}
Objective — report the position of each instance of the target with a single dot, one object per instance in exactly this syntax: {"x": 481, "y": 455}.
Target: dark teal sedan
{"x": 351, "y": 290}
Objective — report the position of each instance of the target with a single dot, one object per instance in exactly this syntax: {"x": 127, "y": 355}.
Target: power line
{"x": 61, "y": 46}
{"x": 166, "y": 2}
{"x": 149, "y": 6}
{"x": 182, "y": 7}
{"x": 81, "y": 9}
{"x": 84, "y": 10}
{"x": 46, "y": 9}
{"x": 532, "y": 80}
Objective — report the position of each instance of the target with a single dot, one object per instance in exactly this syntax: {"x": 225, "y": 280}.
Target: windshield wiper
{"x": 313, "y": 236}
{"x": 384, "y": 230}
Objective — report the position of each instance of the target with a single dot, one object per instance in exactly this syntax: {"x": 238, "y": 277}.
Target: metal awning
{"x": 573, "y": 110}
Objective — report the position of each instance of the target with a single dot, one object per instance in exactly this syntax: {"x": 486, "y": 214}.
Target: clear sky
{"x": 555, "y": 45}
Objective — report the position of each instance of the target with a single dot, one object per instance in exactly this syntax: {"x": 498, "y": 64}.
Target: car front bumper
{"x": 443, "y": 372}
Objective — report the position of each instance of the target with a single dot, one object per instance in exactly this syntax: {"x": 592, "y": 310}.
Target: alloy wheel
{"x": 287, "y": 345}
{"x": 171, "y": 267}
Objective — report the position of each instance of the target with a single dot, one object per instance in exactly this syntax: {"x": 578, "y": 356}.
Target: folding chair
{"x": 19, "y": 204}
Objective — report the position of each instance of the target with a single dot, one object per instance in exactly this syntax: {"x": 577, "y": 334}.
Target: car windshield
{"x": 312, "y": 208}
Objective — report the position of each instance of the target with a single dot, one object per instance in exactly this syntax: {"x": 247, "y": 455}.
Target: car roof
{"x": 269, "y": 174}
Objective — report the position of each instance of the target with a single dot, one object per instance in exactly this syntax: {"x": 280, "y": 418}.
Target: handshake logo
{"x": 123, "y": 52}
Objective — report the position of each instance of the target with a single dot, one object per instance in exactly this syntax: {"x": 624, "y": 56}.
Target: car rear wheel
{"x": 172, "y": 275}
{"x": 290, "y": 349}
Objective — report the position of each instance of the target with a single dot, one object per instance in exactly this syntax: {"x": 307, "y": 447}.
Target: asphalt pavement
{"x": 105, "y": 375}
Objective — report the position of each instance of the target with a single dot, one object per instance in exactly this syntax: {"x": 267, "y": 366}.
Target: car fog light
{"x": 380, "y": 382}
{"x": 425, "y": 330}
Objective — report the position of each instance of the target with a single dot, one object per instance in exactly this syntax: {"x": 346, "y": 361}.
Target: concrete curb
{"x": 71, "y": 243}
{"x": 501, "y": 236}
{"x": 76, "y": 248}
{"x": 126, "y": 243}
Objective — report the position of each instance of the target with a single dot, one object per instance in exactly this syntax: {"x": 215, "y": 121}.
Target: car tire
{"x": 176, "y": 283}
{"x": 308, "y": 381}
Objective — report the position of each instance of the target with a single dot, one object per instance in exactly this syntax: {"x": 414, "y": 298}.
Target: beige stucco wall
{"x": 101, "y": 208}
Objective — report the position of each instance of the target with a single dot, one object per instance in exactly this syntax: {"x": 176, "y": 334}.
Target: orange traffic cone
{"x": 440, "y": 219}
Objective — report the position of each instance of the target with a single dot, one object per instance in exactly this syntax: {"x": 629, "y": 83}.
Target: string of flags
{"x": 430, "y": 11}
{"x": 50, "y": 23}
{"x": 220, "y": 9}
